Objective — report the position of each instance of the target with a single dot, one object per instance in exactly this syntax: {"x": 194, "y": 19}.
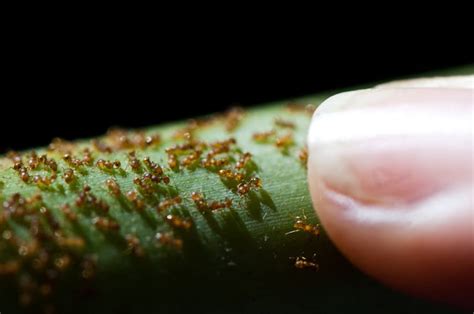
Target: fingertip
{"x": 396, "y": 196}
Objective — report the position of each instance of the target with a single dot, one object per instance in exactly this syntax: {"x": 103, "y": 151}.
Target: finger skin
{"x": 391, "y": 177}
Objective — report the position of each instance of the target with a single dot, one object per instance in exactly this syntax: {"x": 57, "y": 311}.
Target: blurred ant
{"x": 302, "y": 262}
{"x": 301, "y": 224}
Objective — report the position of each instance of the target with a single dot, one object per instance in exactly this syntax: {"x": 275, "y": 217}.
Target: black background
{"x": 74, "y": 90}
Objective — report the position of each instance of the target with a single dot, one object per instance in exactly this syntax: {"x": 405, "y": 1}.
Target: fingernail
{"x": 461, "y": 81}
{"x": 392, "y": 146}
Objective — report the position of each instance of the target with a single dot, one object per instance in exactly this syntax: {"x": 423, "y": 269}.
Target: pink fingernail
{"x": 393, "y": 145}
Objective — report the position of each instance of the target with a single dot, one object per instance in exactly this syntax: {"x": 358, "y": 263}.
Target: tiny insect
{"x": 86, "y": 199}
{"x": 15, "y": 157}
{"x": 133, "y": 197}
{"x": 298, "y": 107}
{"x": 183, "y": 134}
{"x": 104, "y": 164}
{"x": 60, "y": 146}
{"x": 62, "y": 263}
{"x": 153, "y": 139}
{"x": 133, "y": 245}
{"x": 191, "y": 158}
{"x": 196, "y": 196}
{"x": 44, "y": 181}
{"x": 87, "y": 158}
{"x": 119, "y": 138}
{"x": 157, "y": 170}
{"x": 284, "y": 123}
{"x": 18, "y": 165}
{"x": 113, "y": 187}
{"x": 167, "y": 239}
{"x": 70, "y": 215}
{"x": 72, "y": 161}
{"x": 35, "y": 199}
{"x": 101, "y": 146}
{"x": 153, "y": 167}
{"x": 67, "y": 157}
{"x": 221, "y": 147}
{"x": 243, "y": 161}
{"x": 82, "y": 197}
{"x": 52, "y": 164}
{"x": 42, "y": 159}
{"x": 172, "y": 161}
{"x": 302, "y": 262}
{"x": 69, "y": 176}
{"x": 253, "y": 183}
{"x": 145, "y": 184}
{"x": 243, "y": 188}
{"x": 179, "y": 148}
{"x": 209, "y": 161}
{"x": 29, "y": 248}
{"x": 148, "y": 162}
{"x": 215, "y": 205}
{"x": 178, "y": 222}
{"x": 226, "y": 173}
{"x": 33, "y": 161}
{"x": 225, "y": 143}
{"x": 76, "y": 243}
{"x": 263, "y": 137}
{"x": 199, "y": 200}
{"x": 133, "y": 161}
{"x": 229, "y": 174}
{"x": 105, "y": 224}
{"x": 284, "y": 141}
{"x": 301, "y": 224}
{"x": 303, "y": 156}
{"x": 256, "y": 182}
{"x": 50, "y": 218}
{"x": 233, "y": 118}
{"x": 24, "y": 176}
{"x": 164, "y": 205}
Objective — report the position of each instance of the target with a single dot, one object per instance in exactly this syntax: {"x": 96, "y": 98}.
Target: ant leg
{"x": 293, "y": 231}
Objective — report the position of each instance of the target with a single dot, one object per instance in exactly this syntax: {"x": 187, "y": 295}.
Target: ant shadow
{"x": 254, "y": 202}
{"x": 235, "y": 232}
{"x": 266, "y": 199}
{"x": 147, "y": 217}
{"x": 82, "y": 171}
{"x": 192, "y": 244}
{"x": 228, "y": 224}
{"x": 212, "y": 222}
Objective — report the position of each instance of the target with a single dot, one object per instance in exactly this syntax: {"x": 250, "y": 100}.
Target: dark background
{"x": 74, "y": 90}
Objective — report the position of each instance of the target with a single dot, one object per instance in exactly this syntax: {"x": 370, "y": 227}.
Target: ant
{"x": 133, "y": 245}
{"x": 263, "y": 137}
{"x": 284, "y": 141}
{"x": 301, "y": 224}
{"x": 284, "y": 123}
{"x": 303, "y": 156}
{"x": 69, "y": 176}
{"x": 302, "y": 262}
{"x": 165, "y": 204}
{"x": 167, "y": 239}
{"x": 178, "y": 222}
{"x": 113, "y": 187}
